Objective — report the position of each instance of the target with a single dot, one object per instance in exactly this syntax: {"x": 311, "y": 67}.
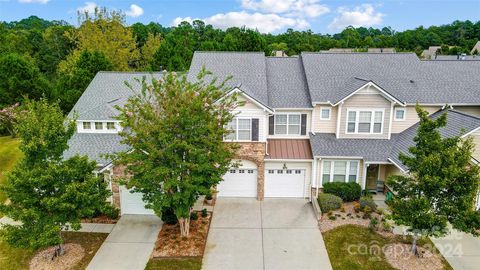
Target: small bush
{"x": 169, "y": 217}
{"x": 208, "y": 197}
{"x": 373, "y": 224}
{"x": 367, "y": 212}
{"x": 356, "y": 207}
{"x": 342, "y": 209}
{"x": 329, "y": 202}
{"x": 386, "y": 226}
{"x": 367, "y": 201}
{"x": 347, "y": 191}
{"x": 111, "y": 211}
{"x": 332, "y": 217}
{"x": 204, "y": 212}
{"x": 193, "y": 216}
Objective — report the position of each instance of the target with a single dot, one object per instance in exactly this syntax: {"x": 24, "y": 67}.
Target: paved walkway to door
{"x": 129, "y": 245}
{"x": 274, "y": 234}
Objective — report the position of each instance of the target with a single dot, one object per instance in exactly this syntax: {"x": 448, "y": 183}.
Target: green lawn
{"x": 17, "y": 258}
{"x": 175, "y": 264}
{"x": 9, "y": 154}
{"x": 340, "y": 239}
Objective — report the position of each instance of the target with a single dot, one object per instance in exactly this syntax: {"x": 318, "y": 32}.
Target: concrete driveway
{"x": 461, "y": 250}
{"x": 273, "y": 234}
{"x": 129, "y": 245}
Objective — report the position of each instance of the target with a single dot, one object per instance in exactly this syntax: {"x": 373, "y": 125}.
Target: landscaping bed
{"x": 357, "y": 247}
{"x": 18, "y": 258}
{"x": 194, "y": 263}
{"x": 170, "y": 244}
{"x": 102, "y": 219}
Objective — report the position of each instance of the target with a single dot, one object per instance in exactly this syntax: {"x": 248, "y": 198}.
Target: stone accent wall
{"x": 117, "y": 172}
{"x": 255, "y": 152}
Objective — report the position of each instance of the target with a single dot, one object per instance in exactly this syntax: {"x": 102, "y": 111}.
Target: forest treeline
{"x": 56, "y": 60}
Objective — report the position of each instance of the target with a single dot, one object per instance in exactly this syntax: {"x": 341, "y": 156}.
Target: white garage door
{"x": 238, "y": 183}
{"x": 132, "y": 203}
{"x": 285, "y": 183}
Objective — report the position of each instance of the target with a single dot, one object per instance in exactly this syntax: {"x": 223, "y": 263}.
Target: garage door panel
{"x": 238, "y": 183}
{"x": 132, "y": 203}
{"x": 285, "y": 183}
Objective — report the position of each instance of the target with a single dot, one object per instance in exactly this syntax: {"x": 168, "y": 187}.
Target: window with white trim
{"x": 364, "y": 121}
{"x": 287, "y": 124}
{"x": 87, "y": 125}
{"x": 325, "y": 113}
{"x": 340, "y": 171}
{"x": 110, "y": 125}
{"x": 98, "y": 125}
{"x": 400, "y": 114}
{"x": 241, "y": 129}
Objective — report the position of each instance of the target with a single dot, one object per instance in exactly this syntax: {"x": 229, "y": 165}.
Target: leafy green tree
{"x": 19, "y": 77}
{"x": 71, "y": 86}
{"x": 441, "y": 185}
{"x": 177, "y": 129}
{"x": 46, "y": 193}
{"x": 148, "y": 50}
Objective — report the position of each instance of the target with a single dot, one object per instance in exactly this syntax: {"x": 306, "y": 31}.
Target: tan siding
{"x": 473, "y": 110}
{"x": 411, "y": 118}
{"x": 366, "y": 101}
{"x": 324, "y": 126}
{"x": 476, "y": 141}
{"x": 392, "y": 170}
{"x": 251, "y": 110}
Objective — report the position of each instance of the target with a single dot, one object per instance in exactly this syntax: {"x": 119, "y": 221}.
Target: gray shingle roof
{"x": 247, "y": 68}
{"x": 106, "y": 90}
{"x": 331, "y": 77}
{"x": 326, "y": 144}
{"x": 94, "y": 146}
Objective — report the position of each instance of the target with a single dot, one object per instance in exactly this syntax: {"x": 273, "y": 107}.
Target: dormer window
{"x": 87, "y": 125}
{"x": 98, "y": 125}
{"x": 111, "y": 125}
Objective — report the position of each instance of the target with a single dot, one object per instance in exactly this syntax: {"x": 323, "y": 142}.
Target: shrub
{"x": 204, "y": 212}
{"x": 386, "y": 226}
{"x": 367, "y": 201}
{"x": 193, "y": 216}
{"x": 169, "y": 217}
{"x": 356, "y": 207}
{"x": 208, "y": 196}
{"x": 347, "y": 191}
{"x": 329, "y": 202}
{"x": 373, "y": 224}
{"x": 111, "y": 211}
{"x": 367, "y": 212}
{"x": 332, "y": 217}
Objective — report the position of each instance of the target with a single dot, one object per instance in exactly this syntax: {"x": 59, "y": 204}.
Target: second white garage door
{"x": 238, "y": 183}
{"x": 132, "y": 203}
{"x": 285, "y": 183}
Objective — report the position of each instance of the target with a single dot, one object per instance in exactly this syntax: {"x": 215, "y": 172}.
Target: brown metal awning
{"x": 289, "y": 149}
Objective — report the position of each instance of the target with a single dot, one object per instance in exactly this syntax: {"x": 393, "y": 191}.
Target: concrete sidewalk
{"x": 274, "y": 234}
{"x": 86, "y": 227}
{"x": 129, "y": 245}
{"x": 461, "y": 250}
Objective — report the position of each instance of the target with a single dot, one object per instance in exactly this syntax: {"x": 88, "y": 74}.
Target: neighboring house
{"x": 307, "y": 120}
{"x": 460, "y": 57}
{"x": 476, "y": 48}
{"x": 431, "y": 52}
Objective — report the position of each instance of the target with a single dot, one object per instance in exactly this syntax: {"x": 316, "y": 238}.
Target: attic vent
{"x": 113, "y": 100}
{"x": 411, "y": 81}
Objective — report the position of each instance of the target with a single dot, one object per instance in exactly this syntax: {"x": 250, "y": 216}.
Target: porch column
{"x": 364, "y": 175}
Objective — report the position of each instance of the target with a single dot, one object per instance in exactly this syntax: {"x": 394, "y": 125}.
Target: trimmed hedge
{"x": 329, "y": 202}
{"x": 368, "y": 201}
{"x": 349, "y": 192}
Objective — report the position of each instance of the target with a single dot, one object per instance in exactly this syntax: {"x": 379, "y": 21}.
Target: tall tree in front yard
{"x": 177, "y": 128}
{"x": 47, "y": 193}
{"x": 441, "y": 185}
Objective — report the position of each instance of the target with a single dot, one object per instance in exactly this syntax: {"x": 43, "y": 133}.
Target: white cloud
{"x": 265, "y": 23}
{"x": 33, "y": 1}
{"x": 291, "y": 8}
{"x": 363, "y": 15}
{"x": 135, "y": 11}
{"x": 89, "y": 7}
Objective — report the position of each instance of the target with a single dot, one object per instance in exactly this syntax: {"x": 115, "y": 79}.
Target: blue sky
{"x": 266, "y": 15}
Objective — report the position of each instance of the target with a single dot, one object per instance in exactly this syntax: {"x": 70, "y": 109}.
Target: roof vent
{"x": 411, "y": 81}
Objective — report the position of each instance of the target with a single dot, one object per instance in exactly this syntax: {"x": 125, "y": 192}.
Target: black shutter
{"x": 255, "y": 129}
{"x": 271, "y": 125}
{"x": 303, "y": 128}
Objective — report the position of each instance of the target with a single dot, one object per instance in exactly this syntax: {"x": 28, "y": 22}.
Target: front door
{"x": 372, "y": 176}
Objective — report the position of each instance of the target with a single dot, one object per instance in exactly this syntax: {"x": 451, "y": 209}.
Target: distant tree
{"x": 277, "y": 47}
{"x": 441, "y": 184}
{"x": 152, "y": 44}
{"x": 177, "y": 128}
{"x": 48, "y": 194}
{"x": 8, "y": 119}
{"x": 19, "y": 77}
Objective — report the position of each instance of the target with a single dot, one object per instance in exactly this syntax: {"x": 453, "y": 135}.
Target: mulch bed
{"x": 401, "y": 257}
{"x": 100, "y": 219}
{"x": 347, "y": 217}
{"x": 171, "y": 244}
{"x": 74, "y": 253}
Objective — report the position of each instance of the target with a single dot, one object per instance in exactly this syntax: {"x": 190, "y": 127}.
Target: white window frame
{"x": 400, "y": 109}
{"x": 329, "y": 113}
{"x": 372, "y": 121}
{"x": 236, "y": 130}
{"x": 288, "y": 124}
{"x": 85, "y": 122}
{"x": 109, "y": 122}
{"x": 347, "y": 170}
{"x": 95, "y": 125}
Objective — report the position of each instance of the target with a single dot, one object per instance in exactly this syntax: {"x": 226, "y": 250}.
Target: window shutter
{"x": 303, "y": 127}
{"x": 255, "y": 129}
{"x": 271, "y": 125}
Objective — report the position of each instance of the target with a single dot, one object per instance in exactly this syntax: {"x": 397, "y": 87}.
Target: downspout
{"x": 316, "y": 165}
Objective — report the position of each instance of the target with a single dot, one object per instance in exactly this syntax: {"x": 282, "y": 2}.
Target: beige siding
{"x": 476, "y": 141}
{"x": 325, "y": 126}
{"x": 391, "y": 170}
{"x": 309, "y": 123}
{"x": 365, "y": 101}
{"x": 411, "y": 118}
{"x": 473, "y": 110}
{"x": 307, "y": 166}
{"x": 251, "y": 110}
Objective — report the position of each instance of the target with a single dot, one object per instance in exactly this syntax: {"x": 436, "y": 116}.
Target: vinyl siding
{"x": 324, "y": 126}
{"x": 411, "y": 118}
{"x": 365, "y": 101}
{"x": 472, "y": 110}
{"x": 307, "y": 166}
{"x": 309, "y": 124}
{"x": 392, "y": 170}
{"x": 251, "y": 110}
{"x": 476, "y": 141}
